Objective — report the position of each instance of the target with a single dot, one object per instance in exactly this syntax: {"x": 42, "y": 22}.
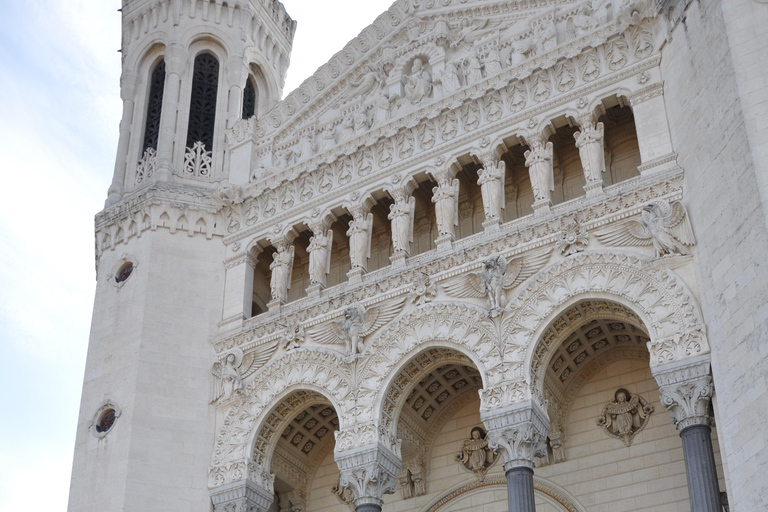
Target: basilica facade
{"x": 493, "y": 255}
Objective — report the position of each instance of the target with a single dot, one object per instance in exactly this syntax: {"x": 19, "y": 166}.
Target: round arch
{"x": 657, "y": 297}
{"x": 299, "y": 370}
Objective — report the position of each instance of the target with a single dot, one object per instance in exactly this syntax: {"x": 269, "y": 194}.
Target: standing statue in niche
{"x": 307, "y": 146}
{"x": 450, "y": 78}
{"x": 361, "y": 121}
{"x": 327, "y": 138}
{"x": 382, "y": 107}
{"x": 539, "y": 162}
{"x": 282, "y": 263}
{"x": 546, "y": 36}
{"x": 590, "y": 143}
{"x": 446, "y": 198}
{"x": 475, "y": 455}
{"x": 401, "y": 213}
{"x": 320, "y": 256}
{"x": 584, "y": 21}
{"x": 491, "y": 181}
{"x": 359, "y": 233}
{"x": 625, "y": 417}
{"x": 473, "y": 70}
{"x": 418, "y": 85}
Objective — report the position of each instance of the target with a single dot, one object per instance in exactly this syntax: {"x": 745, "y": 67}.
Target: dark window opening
{"x": 249, "y": 99}
{"x": 202, "y": 108}
{"x": 154, "y": 107}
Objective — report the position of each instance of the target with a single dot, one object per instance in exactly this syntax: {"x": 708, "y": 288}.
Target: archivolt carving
{"x": 322, "y": 372}
{"x": 456, "y": 326}
{"x": 658, "y": 297}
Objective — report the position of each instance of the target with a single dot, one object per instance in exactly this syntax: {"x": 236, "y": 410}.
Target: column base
{"x": 274, "y": 305}
{"x": 313, "y": 290}
{"x": 492, "y": 225}
{"x": 594, "y": 189}
{"x": 356, "y": 275}
{"x": 444, "y": 242}
{"x": 398, "y": 259}
{"x": 541, "y": 207}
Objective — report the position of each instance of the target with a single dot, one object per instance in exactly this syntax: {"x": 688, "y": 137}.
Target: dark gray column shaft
{"x": 520, "y": 490}
{"x": 368, "y": 507}
{"x": 703, "y": 488}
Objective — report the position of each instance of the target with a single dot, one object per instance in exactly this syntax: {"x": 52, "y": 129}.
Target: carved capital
{"x": 518, "y": 432}
{"x": 243, "y": 496}
{"x": 686, "y": 389}
{"x": 369, "y": 473}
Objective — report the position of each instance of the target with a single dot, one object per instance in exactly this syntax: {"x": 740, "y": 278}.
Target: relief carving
{"x": 625, "y": 416}
{"x": 475, "y": 455}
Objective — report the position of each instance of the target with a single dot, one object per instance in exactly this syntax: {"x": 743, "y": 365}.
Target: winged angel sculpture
{"x": 663, "y": 225}
{"x": 228, "y": 376}
{"x": 496, "y": 277}
{"x": 356, "y": 323}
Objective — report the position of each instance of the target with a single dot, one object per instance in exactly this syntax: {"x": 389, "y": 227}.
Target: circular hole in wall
{"x": 106, "y": 421}
{"x": 124, "y": 272}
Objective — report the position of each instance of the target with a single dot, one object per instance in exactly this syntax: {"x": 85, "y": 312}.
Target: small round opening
{"x": 106, "y": 420}
{"x": 124, "y": 272}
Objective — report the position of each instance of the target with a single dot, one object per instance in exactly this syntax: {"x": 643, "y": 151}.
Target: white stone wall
{"x": 714, "y": 131}
{"x": 150, "y": 354}
{"x": 600, "y": 472}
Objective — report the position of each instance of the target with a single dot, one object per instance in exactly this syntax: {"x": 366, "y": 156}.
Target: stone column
{"x": 238, "y": 287}
{"x": 590, "y": 143}
{"x": 128, "y": 85}
{"x": 686, "y": 389}
{"x": 491, "y": 180}
{"x": 237, "y": 74}
{"x": 539, "y": 160}
{"x": 243, "y": 495}
{"x": 445, "y": 196}
{"x": 518, "y": 433}
{"x": 369, "y": 473}
{"x": 175, "y": 63}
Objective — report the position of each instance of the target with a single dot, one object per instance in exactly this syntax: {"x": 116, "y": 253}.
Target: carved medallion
{"x": 625, "y": 416}
{"x": 475, "y": 455}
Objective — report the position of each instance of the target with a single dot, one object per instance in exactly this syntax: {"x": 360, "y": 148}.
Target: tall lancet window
{"x": 198, "y": 156}
{"x": 202, "y": 108}
{"x": 154, "y": 107}
{"x": 249, "y": 99}
{"x": 146, "y": 165}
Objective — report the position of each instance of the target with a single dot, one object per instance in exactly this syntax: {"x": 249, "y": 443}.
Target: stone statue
{"x": 625, "y": 416}
{"x": 590, "y": 143}
{"x": 539, "y": 162}
{"x": 491, "y": 59}
{"x": 367, "y": 83}
{"x": 450, "y": 78}
{"x": 401, "y": 213}
{"x": 320, "y": 256}
{"x": 418, "y": 85}
{"x": 361, "y": 121}
{"x": 475, "y": 455}
{"x": 446, "y": 198}
{"x": 327, "y": 138}
{"x": 282, "y": 263}
{"x": 347, "y": 129}
{"x": 665, "y": 226}
{"x": 584, "y": 21}
{"x": 519, "y": 50}
{"x": 424, "y": 290}
{"x": 228, "y": 377}
{"x": 382, "y": 107}
{"x": 473, "y": 71}
{"x": 546, "y": 36}
{"x": 491, "y": 181}
{"x": 359, "y": 233}
{"x": 307, "y": 146}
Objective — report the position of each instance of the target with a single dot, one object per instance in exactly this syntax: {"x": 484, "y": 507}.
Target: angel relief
{"x": 475, "y": 455}
{"x": 356, "y": 323}
{"x": 665, "y": 226}
{"x": 495, "y": 278}
{"x": 228, "y": 375}
{"x": 625, "y": 416}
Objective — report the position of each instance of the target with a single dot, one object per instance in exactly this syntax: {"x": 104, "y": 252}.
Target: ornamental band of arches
{"x": 505, "y": 359}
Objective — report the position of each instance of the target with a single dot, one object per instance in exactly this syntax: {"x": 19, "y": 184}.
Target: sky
{"x": 59, "y": 113}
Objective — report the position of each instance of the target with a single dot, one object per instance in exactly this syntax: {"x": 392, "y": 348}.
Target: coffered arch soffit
{"x": 657, "y": 297}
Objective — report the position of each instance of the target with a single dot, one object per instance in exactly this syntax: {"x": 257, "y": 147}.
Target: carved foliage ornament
{"x": 625, "y": 416}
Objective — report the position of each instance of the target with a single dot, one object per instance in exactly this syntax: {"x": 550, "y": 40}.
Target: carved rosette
{"x": 518, "y": 432}
{"x": 369, "y": 473}
{"x": 686, "y": 390}
{"x": 243, "y": 496}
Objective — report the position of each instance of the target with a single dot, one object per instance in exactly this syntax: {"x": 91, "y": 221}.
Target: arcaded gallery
{"x": 494, "y": 255}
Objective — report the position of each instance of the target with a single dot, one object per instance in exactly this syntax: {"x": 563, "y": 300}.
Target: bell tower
{"x": 190, "y": 70}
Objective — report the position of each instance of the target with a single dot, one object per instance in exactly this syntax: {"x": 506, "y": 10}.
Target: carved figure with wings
{"x": 665, "y": 226}
{"x": 496, "y": 277}
{"x": 228, "y": 376}
{"x": 356, "y": 323}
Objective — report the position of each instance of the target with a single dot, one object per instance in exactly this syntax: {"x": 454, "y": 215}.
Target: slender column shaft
{"x": 235, "y": 105}
{"x": 118, "y": 178}
{"x": 168, "y": 120}
{"x": 520, "y": 490}
{"x": 703, "y": 487}
{"x": 368, "y": 507}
